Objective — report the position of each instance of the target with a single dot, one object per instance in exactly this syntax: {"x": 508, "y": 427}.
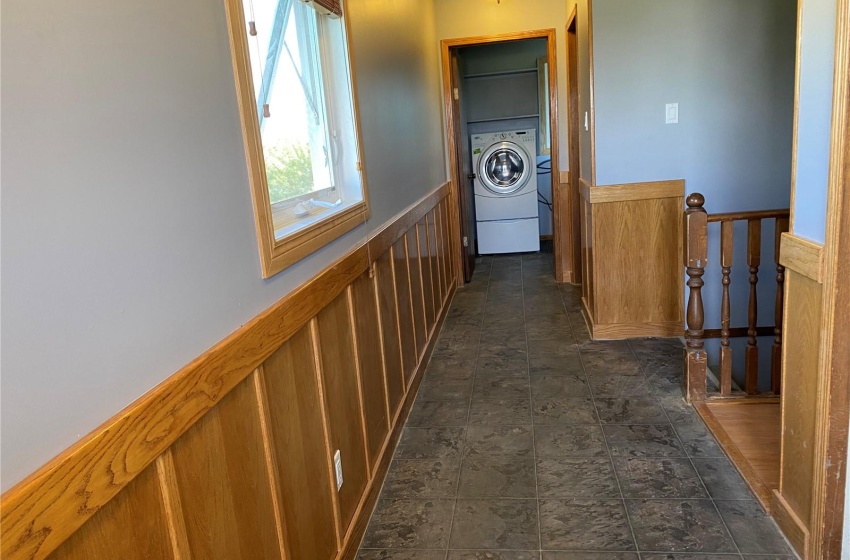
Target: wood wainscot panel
{"x": 406, "y": 324}
{"x": 132, "y": 525}
{"x": 342, "y": 397}
{"x": 634, "y": 246}
{"x": 427, "y": 273}
{"x": 390, "y": 339}
{"x": 802, "y": 255}
{"x": 369, "y": 349}
{"x": 800, "y": 346}
{"x": 225, "y": 491}
{"x": 416, "y": 290}
{"x": 300, "y": 443}
{"x": 137, "y": 487}
{"x": 433, "y": 252}
{"x": 446, "y": 254}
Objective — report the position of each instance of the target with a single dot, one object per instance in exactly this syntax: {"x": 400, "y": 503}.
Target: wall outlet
{"x": 338, "y": 469}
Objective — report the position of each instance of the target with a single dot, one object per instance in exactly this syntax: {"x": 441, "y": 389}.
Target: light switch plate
{"x": 338, "y": 469}
{"x": 672, "y": 113}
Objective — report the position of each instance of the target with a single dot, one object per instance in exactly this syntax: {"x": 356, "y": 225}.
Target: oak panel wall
{"x": 224, "y": 487}
{"x": 427, "y": 273}
{"x": 132, "y": 525}
{"x": 232, "y": 456}
{"x": 299, "y": 440}
{"x": 368, "y": 333}
{"x": 416, "y": 290}
{"x": 633, "y": 248}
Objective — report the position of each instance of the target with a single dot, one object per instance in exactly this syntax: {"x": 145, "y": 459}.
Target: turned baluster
{"x": 726, "y": 229}
{"x": 776, "y": 352}
{"x": 751, "y": 357}
{"x": 695, "y": 230}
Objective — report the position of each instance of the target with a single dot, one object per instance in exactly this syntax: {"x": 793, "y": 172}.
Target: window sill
{"x": 324, "y": 226}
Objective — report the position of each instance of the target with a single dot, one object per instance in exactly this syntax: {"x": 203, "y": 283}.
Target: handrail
{"x": 750, "y": 215}
{"x": 695, "y": 231}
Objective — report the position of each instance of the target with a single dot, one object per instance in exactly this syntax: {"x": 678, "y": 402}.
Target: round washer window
{"x": 504, "y": 168}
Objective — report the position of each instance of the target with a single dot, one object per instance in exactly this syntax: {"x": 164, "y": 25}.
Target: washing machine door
{"x": 504, "y": 168}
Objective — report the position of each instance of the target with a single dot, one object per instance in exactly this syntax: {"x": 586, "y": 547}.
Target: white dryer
{"x": 505, "y": 167}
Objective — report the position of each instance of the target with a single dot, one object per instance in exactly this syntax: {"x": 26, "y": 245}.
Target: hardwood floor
{"x": 750, "y": 432}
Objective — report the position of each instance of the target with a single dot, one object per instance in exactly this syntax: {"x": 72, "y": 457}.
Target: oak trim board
{"x": 802, "y": 255}
{"x": 597, "y": 194}
{"x": 792, "y": 526}
{"x": 43, "y": 510}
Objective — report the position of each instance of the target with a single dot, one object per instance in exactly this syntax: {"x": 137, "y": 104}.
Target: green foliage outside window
{"x": 289, "y": 171}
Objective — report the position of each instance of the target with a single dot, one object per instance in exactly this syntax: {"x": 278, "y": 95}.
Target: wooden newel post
{"x": 695, "y": 229}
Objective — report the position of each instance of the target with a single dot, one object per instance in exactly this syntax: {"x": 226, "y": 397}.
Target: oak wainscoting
{"x": 631, "y": 252}
{"x": 793, "y": 503}
{"x": 232, "y": 456}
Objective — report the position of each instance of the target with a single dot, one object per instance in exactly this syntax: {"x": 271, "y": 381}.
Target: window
{"x": 296, "y": 101}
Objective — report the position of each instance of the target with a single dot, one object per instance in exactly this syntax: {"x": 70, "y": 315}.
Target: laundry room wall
{"x": 506, "y": 95}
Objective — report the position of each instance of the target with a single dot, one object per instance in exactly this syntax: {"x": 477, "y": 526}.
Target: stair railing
{"x": 695, "y": 229}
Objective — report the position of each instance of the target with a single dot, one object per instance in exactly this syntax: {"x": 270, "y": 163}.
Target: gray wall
{"x": 817, "y": 61}
{"x": 128, "y": 243}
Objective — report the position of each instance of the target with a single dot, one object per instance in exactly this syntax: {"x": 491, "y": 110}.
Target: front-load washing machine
{"x": 505, "y": 167}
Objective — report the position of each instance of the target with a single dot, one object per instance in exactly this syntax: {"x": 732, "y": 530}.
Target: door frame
{"x": 452, "y": 132}
{"x": 572, "y": 216}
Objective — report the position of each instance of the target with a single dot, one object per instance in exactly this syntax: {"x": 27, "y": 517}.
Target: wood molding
{"x": 598, "y": 194}
{"x": 619, "y": 331}
{"x": 792, "y": 526}
{"x": 802, "y": 255}
{"x": 564, "y": 178}
{"x": 42, "y": 511}
{"x": 750, "y": 476}
{"x": 384, "y": 238}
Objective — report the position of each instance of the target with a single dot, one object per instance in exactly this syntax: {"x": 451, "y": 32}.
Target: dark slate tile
{"x": 422, "y": 478}
{"x": 554, "y": 365}
{"x": 514, "y": 412}
{"x": 498, "y": 476}
{"x": 564, "y": 411}
{"x": 587, "y": 525}
{"x": 616, "y": 385}
{"x": 559, "y": 386}
{"x": 608, "y": 358}
{"x": 495, "y": 524}
{"x": 553, "y": 347}
{"x": 558, "y": 329}
{"x": 576, "y": 477}
{"x": 500, "y": 387}
{"x": 770, "y": 557}
{"x": 410, "y": 524}
{"x": 753, "y": 530}
{"x": 400, "y": 554}
{"x": 502, "y": 366}
{"x": 430, "y": 443}
{"x": 630, "y": 410}
{"x": 679, "y": 526}
{"x": 721, "y": 479}
{"x": 698, "y": 440}
{"x": 569, "y": 441}
{"x": 658, "y": 478}
{"x": 643, "y": 441}
{"x": 671, "y": 556}
{"x": 499, "y": 440}
{"x": 425, "y": 414}
{"x": 590, "y": 556}
{"x": 493, "y": 555}
{"x": 440, "y": 389}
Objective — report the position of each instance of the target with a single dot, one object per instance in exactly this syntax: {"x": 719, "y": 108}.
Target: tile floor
{"x": 528, "y": 441}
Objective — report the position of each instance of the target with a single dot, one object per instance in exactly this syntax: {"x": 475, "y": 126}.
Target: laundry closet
{"x": 504, "y": 116}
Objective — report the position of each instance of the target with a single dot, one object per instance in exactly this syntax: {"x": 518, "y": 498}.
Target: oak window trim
{"x": 278, "y": 254}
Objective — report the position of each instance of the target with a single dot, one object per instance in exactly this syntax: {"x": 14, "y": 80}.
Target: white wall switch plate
{"x": 586, "y": 121}
{"x": 338, "y": 469}
{"x": 672, "y": 113}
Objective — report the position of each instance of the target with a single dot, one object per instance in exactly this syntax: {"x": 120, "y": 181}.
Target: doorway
{"x": 462, "y": 122}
